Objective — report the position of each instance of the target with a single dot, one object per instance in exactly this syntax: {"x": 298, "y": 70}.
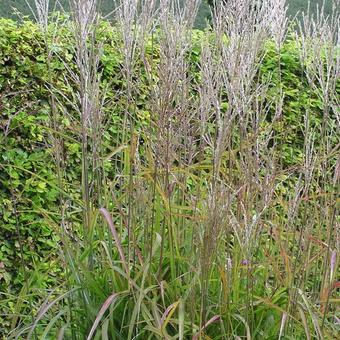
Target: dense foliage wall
{"x": 26, "y": 165}
{"x": 28, "y": 191}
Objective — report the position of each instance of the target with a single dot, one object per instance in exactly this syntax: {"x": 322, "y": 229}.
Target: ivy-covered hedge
{"x": 26, "y": 164}
{"x": 27, "y": 170}
{"x": 28, "y": 184}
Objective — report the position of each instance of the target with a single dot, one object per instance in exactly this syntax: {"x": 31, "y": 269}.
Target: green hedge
{"x": 26, "y": 164}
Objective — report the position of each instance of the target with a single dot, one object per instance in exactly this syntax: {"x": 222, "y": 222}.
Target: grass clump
{"x": 195, "y": 175}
